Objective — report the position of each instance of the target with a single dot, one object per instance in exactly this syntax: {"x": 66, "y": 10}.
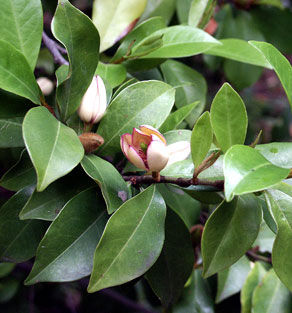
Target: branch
{"x": 182, "y": 182}
{"x": 257, "y": 257}
{"x": 54, "y": 49}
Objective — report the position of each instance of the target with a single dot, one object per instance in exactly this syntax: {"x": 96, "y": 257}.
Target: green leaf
{"x": 114, "y": 74}
{"x": 174, "y": 136}
{"x": 11, "y": 132}
{"x": 196, "y": 12}
{"x": 278, "y": 153}
{"x": 190, "y": 86}
{"x": 197, "y": 297}
{"x": 265, "y": 239}
{"x": 182, "y": 10}
{"x": 229, "y": 118}
{"x": 187, "y": 208}
{"x": 21, "y": 25}
{"x": 170, "y": 272}
{"x": 6, "y": 269}
{"x": 114, "y": 19}
{"x": 271, "y": 296}
{"x": 113, "y": 187}
{"x": 80, "y": 37}
{"x": 8, "y": 289}
{"x": 180, "y": 41}
{"x": 66, "y": 258}
{"x": 239, "y": 50}
{"x": 16, "y": 75}
{"x": 142, "y": 103}
{"x": 161, "y": 8}
{"x": 278, "y": 63}
{"x": 231, "y": 280}
{"x": 176, "y": 118}
{"x": 254, "y": 278}
{"x": 18, "y": 239}
{"x": 201, "y": 140}
{"x": 53, "y": 147}
{"x": 19, "y": 175}
{"x": 137, "y": 34}
{"x": 246, "y": 170}
{"x": 184, "y": 169}
{"x": 46, "y": 205}
{"x": 123, "y": 252}
{"x": 229, "y": 233}
{"x": 280, "y": 206}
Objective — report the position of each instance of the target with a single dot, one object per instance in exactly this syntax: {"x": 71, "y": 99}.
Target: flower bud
{"x": 145, "y": 148}
{"x": 46, "y": 85}
{"x": 94, "y": 102}
{"x": 178, "y": 151}
{"x": 91, "y": 141}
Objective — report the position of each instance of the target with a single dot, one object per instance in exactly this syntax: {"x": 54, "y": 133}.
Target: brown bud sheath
{"x": 90, "y": 141}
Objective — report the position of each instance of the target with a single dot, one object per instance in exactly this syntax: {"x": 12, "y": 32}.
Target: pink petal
{"x": 149, "y": 130}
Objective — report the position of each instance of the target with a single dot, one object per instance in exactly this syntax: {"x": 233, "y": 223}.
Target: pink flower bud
{"x": 46, "y": 85}
{"x": 145, "y": 148}
{"x": 94, "y": 102}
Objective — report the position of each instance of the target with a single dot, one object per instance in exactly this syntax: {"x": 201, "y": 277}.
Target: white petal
{"x": 157, "y": 156}
{"x": 134, "y": 158}
{"x": 178, "y": 151}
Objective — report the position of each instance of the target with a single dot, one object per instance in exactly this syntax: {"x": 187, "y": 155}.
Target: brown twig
{"x": 208, "y": 162}
{"x": 257, "y": 257}
{"x": 55, "y": 50}
{"x": 182, "y": 182}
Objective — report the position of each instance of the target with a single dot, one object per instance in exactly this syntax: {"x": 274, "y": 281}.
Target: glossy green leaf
{"x": 21, "y": 25}
{"x": 113, "y": 187}
{"x": 137, "y": 34}
{"x": 176, "y": 118}
{"x": 173, "y": 136}
{"x": 6, "y": 269}
{"x": 229, "y": 118}
{"x": 54, "y": 148}
{"x": 114, "y": 74}
{"x": 11, "y": 132}
{"x": 114, "y": 19}
{"x": 18, "y": 239}
{"x": 265, "y": 239}
{"x": 278, "y": 63}
{"x": 254, "y": 278}
{"x": 280, "y": 206}
{"x": 163, "y": 8}
{"x": 170, "y": 272}
{"x": 187, "y": 208}
{"x": 184, "y": 169}
{"x": 278, "y": 153}
{"x": 239, "y": 50}
{"x": 197, "y": 298}
{"x": 231, "y": 280}
{"x": 190, "y": 86}
{"x": 246, "y": 170}
{"x": 180, "y": 41}
{"x": 123, "y": 254}
{"x": 196, "y": 12}
{"x": 16, "y": 75}
{"x": 19, "y": 175}
{"x": 46, "y": 205}
{"x": 182, "y": 10}
{"x": 80, "y": 37}
{"x": 66, "y": 251}
{"x": 201, "y": 140}
{"x": 142, "y": 103}
{"x": 239, "y": 223}
{"x": 271, "y": 296}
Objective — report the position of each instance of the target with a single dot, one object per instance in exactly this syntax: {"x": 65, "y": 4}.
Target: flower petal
{"x": 178, "y": 151}
{"x": 139, "y": 137}
{"x": 149, "y": 130}
{"x": 134, "y": 157}
{"x": 157, "y": 156}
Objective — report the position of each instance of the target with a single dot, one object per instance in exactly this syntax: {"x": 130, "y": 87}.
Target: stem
{"x": 156, "y": 176}
{"x": 257, "y": 257}
{"x": 54, "y": 49}
{"x": 44, "y": 103}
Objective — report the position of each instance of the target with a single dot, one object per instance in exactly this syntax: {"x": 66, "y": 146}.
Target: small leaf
{"x": 229, "y": 233}
{"x": 113, "y": 187}
{"x": 16, "y": 75}
{"x": 196, "y": 12}
{"x": 201, "y": 140}
{"x": 254, "y": 278}
{"x": 278, "y": 63}
{"x": 21, "y": 24}
{"x": 231, "y": 280}
{"x": 113, "y": 19}
{"x": 142, "y": 103}
{"x": 78, "y": 34}
{"x": 246, "y": 170}
{"x": 271, "y": 296}
{"x": 69, "y": 257}
{"x": 18, "y": 239}
{"x": 170, "y": 272}
{"x": 53, "y": 148}
{"x": 11, "y": 132}
{"x": 123, "y": 254}
{"x": 114, "y": 74}
{"x": 229, "y": 118}
{"x": 180, "y": 41}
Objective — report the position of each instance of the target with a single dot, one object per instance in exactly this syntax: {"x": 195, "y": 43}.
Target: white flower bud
{"x": 94, "y": 102}
{"x": 46, "y": 85}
